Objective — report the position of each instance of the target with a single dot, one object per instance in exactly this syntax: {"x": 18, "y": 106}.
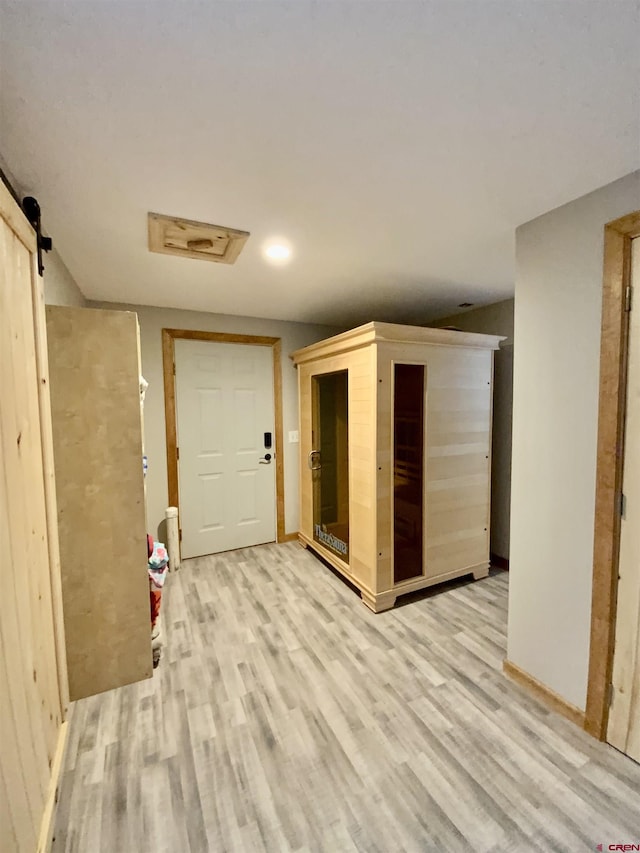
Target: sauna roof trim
{"x": 394, "y": 333}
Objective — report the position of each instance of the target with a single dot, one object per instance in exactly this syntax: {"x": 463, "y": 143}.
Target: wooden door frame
{"x": 611, "y": 415}
{"x": 169, "y": 336}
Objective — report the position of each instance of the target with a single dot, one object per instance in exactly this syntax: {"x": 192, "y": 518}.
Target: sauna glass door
{"x": 329, "y": 462}
{"x": 408, "y": 471}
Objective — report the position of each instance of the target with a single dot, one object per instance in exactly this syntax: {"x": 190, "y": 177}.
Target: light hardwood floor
{"x": 285, "y": 716}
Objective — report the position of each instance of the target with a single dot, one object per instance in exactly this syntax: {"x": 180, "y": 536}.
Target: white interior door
{"x": 226, "y": 468}
{"x": 624, "y": 717}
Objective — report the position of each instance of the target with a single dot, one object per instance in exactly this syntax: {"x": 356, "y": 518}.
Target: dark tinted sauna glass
{"x": 408, "y": 470}
{"x": 331, "y": 463}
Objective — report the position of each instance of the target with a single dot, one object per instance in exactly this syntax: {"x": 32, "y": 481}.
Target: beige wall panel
{"x": 462, "y": 449}
{"x": 496, "y": 319}
{"x": 361, "y": 572}
{"x": 304, "y": 475}
{"x": 361, "y": 453}
{"x": 384, "y": 473}
{"x": 440, "y": 440}
{"x": 457, "y": 555}
{"x": 362, "y": 450}
{"x": 469, "y": 481}
{"x": 454, "y": 519}
{"x": 361, "y": 548}
{"x": 458, "y": 447}
{"x": 98, "y": 458}
{"x": 458, "y": 465}
{"x": 384, "y": 508}
{"x": 442, "y": 423}
{"x": 456, "y": 498}
{"x": 476, "y": 400}
{"x": 458, "y": 536}
{"x": 469, "y": 375}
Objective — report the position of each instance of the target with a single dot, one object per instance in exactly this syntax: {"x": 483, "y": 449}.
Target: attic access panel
{"x": 170, "y": 235}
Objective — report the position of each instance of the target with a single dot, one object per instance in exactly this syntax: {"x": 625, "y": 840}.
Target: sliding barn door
{"x": 624, "y": 718}
{"x": 32, "y": 665}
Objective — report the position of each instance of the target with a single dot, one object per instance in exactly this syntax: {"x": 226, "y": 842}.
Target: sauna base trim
{"x": 378, "y": 602}
{"x": 481, "y": 571}
{"x": 387, "y": 599}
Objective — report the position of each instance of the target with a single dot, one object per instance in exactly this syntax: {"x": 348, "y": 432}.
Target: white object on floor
{"x": 173, "y": 538}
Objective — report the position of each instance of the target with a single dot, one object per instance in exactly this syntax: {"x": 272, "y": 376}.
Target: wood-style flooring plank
{"x": 285, "y": 716}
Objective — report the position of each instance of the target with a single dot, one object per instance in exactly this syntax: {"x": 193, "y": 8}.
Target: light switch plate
{"x": 293, "y": 436}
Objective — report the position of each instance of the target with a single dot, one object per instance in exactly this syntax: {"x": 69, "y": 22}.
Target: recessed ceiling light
{"x": 277, "y": 252}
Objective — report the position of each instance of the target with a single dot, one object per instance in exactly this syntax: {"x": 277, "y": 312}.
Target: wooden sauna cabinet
{"x": 395, "y": 456}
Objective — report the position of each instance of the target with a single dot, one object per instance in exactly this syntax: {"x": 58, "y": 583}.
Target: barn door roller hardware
{"x": 32, "y": 212}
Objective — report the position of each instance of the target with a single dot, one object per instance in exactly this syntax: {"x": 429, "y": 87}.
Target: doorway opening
{"x": 275, "y": 451}
{"x": 616, "y": 304}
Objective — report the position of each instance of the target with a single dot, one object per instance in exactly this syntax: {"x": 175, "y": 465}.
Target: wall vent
{"x": 171, "y": 235}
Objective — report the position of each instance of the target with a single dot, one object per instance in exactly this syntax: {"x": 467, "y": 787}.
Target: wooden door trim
{"x": 50, "y": 495}
{"x": 169, "y": 336}
{"x": 610, "y": 457}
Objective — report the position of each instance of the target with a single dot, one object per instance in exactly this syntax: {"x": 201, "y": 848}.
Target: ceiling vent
{"x": 170, "y": 235}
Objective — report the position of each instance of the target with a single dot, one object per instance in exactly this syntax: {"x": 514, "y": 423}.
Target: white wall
{"x": 60, "y": 287}
{"x": 152, "y": 321}
{"x": 556, "y": 360}
{"x": 496, "y": 319}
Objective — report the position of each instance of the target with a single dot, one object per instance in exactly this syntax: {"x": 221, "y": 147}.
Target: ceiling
{"x": 395, "y": 145}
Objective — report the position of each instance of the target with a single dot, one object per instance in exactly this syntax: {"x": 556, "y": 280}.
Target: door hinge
{"x": 627, "y": 298}
{"x": 610, "y": 694}
{"x": 180, "y": 534}
{"x": 174, "y": 368}
{"x": 177, "y": 453}
{"x": 623, "y": 505}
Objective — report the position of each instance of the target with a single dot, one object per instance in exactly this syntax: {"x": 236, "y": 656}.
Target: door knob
{"x": 266, "y": 459}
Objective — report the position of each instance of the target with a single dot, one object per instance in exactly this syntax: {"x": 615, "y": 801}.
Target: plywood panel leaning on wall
{"x": 416, "y": 464}
{"x": 33, "y": 695}
{"x": 97, "y": 431}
